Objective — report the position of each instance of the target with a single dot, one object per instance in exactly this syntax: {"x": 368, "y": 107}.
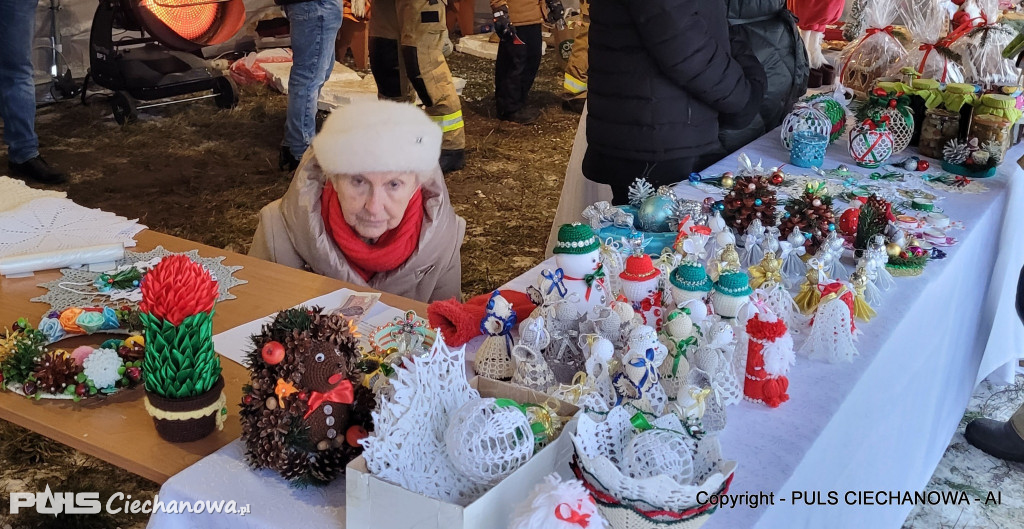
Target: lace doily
{"x": 407, "y": 446}
{"x": 601, "y": 452}
{"x": 15, "y": 193}
{"x": 75, "y": 287}
{"x": 55, "y": 224}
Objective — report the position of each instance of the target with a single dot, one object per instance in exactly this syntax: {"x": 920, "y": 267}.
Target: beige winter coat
{"x": 291, "y": 232}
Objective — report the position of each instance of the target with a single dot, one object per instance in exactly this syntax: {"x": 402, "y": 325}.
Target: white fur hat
{"x": 378, "y": 136}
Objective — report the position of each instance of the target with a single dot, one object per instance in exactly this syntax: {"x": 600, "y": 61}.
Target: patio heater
{"x": 165, "y": 60}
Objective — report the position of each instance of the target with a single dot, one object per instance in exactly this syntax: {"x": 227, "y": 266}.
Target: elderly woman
{"x": 368, "y": 205}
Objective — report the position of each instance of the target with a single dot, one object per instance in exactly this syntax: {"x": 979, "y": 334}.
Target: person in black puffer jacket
{"x": 771, "y": 30}
{"x": 664, "y": 75}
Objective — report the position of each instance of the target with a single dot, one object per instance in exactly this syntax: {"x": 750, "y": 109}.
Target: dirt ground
{"x": 202, "y": 174}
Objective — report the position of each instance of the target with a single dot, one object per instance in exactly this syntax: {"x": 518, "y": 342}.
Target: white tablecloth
{"x": 881, "y": 423}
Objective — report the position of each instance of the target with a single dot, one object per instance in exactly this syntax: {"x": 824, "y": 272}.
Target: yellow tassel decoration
{"x": 861, "y": 310}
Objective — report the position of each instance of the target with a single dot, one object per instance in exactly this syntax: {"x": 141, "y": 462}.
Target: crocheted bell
{"x": 689, "y": 281}
{"x": 731, "y": 290}
{"x": 832, "y": 330}
{"x": 580, "y": 276}
{"x": 494, "y": 357}
{"x": 640, "y": 288}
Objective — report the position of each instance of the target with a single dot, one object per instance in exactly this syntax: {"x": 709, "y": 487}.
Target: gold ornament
{"x": 729, "y": 259}
{"x": 768, "y": 271}
{"x": 728, "y": 182}
{"x": 893, "y": 249}
{"x": 861, "y": 309}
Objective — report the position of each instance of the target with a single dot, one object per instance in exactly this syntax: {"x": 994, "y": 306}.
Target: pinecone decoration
{"x": 811, "y": 213}
{"x": 874, "y": 217}
{"x": 275, "y": 427}
{"x": 751, "y": 198}
{"x": 55, "y": 372}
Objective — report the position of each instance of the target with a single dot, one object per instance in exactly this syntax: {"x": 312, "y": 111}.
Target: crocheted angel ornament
{"x": 679, "y": 337}
{"x": 714, "y": 357}
{"x": 766, "y": 279}
{"x": 872, "y": 295}
{"x": 809, "y": 296}
{"x": 640, "y": 288}
{"x": 557, "y": 504}
{"x": 530, "y": 369}
{"x": 769, "y": 357}
{"x": 861, "y": 309}
{"x": 878, "y": 256}
{"x": 580, "y": 274}
{"x": 599, "y": 355}
{"x": 832, "y": 329}
{"x": 637, "y": 381}
{"x": 753, "y": 239}
{"x": 791, "y": 251}
{"x": 494, "y": 358}
{"x": 717, "y": 225}
{"x": 831, "y": 253}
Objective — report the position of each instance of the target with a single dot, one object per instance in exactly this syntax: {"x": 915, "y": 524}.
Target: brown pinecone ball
{"x": 292, "y": 465}
{"x": 55, "y": 372}
{"x": 751, "y": 197}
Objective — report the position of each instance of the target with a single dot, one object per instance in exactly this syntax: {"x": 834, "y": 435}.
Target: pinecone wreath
{"x": 874, "y": 217}
{"x": 811, "y": 213}
{"x": 751, "y": 198}
{"x": 55, "y": 372}
{"x": 306, "y": 408}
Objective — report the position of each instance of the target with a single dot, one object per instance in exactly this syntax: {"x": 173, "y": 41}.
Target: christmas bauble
{"x": 849, "y": 221}
{"x": 654, "y": 452}
{"x": 777, "y": 178}
{"x": 487, "y": 440}
{"x": 893, "y": 249}
{"x": 870, "y": 146}
{"x": 804, "y": 117}
{"x": 728, "y": 181}
{"x": 923, "y": 165}
{"x": 655, "y": 212}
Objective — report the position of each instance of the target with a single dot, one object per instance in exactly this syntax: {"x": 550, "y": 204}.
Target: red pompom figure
{"x": 770, "y": 355}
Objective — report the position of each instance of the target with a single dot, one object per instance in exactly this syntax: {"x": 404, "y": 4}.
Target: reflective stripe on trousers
{"x": 574, "y": 85}
{"x": 449, "y": 122}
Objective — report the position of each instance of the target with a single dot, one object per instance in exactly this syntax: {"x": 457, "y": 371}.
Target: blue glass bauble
{"x": 654, "y": 213}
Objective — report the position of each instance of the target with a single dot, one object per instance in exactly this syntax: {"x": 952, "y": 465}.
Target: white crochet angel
{"x": 791, "y": 252}
{"x": 637, "y": 381}
{"x": 494, "y": 358}
{"x": 879, "y": 257}
{"x": 679, "y": 337}
{"x": 831, "y": 253}
{"x": 832, "y": 332}
{"x": 530, "y": 368}
{"x": 752, "y": 251}
{"x": 714, "y": 357}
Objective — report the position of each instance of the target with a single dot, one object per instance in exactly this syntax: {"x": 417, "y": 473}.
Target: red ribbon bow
{"x": 886, "y": 29}
{"x": 341, "y": 394}
{"x": 961, "y": 181}
{"x": 651, "y": 301}
{"x": 573, "y": 516}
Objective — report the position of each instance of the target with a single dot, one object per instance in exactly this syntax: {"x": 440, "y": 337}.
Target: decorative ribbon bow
{"x": 600, "y": 214}
{"x": 341, "y": 394}
{"x": 572, "y": 516}
{"x": 886, "y": 29}
{"x": 589, "y": 279}
{"x": 961, "y": 181}
{"x": 680, "y": 352}
{"x": 644, "y": 363}
{"x": 557, "y": 282}
{"x": 651, "y": 302}
{"x": 943, "y": 48}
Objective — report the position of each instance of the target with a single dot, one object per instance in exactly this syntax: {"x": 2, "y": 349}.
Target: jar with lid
{"x": 961, "y": 97}
{"x": 940, "y": 126}
{"x": 924, "y": 94}
{"x": 992, "y": 129}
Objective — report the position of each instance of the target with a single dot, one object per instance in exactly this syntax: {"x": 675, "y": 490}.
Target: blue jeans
{"x": 17, "y": 88}
{"x": 314, "y": 26}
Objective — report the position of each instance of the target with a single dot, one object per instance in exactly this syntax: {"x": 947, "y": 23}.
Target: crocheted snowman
{"x": 689, "y": 281}
{"x": 640, "y": 288}
{"x": 580, "y": 275}
{"x": 732, "y": 290}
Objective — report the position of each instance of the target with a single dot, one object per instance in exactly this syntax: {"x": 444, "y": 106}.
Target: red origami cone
{"x": 177, "y": 288}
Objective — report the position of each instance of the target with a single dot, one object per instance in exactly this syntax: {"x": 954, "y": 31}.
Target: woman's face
{"x": 374, "y": 203}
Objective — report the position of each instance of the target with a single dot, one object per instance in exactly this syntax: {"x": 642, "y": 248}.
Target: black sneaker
{"x": 286, "y": 161}
{"x": 452, "y": 160}
{"x": 574, "y": 105}
{"x": 37, "y": 169}
{"x": 523, "y": 116}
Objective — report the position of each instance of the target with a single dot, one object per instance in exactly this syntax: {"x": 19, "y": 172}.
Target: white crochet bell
{"x": 494, "y": 357}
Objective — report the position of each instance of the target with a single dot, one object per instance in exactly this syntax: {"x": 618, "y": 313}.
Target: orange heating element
{"x": 189, "y": 18}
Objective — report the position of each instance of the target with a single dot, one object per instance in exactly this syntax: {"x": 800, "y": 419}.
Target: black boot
{"x": 287, "y": 161}
{"x": 523, "y": 116}
{"x": 452, "y": 160}
{"x": 37, "y": 169}
{"x": 574, "y": 105}
{"x": 996, "y": 438}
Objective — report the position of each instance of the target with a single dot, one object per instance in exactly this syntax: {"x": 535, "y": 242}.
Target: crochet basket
{"x": 804, "y": 117}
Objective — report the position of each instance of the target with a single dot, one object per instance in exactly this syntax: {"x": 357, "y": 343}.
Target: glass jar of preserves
{"x": 940, "y": 126}
{"x": 992, "y": 129}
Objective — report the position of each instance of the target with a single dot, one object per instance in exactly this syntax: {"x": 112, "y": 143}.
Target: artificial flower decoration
{"x": 177, "y": 288}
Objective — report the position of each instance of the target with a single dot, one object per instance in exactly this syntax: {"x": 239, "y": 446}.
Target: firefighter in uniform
{"x": 406, "y": 42}
{"x": 575, "y": 82}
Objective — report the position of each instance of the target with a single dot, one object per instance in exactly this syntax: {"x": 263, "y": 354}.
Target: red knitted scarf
{"x": 391, "y": 249}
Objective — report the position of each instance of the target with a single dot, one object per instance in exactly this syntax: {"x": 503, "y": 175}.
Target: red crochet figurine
{"x": 769, "y": 356}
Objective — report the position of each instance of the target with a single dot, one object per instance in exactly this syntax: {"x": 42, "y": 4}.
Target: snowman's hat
{"x": 576, "y": 239}
{"x": 639, "y": 268}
